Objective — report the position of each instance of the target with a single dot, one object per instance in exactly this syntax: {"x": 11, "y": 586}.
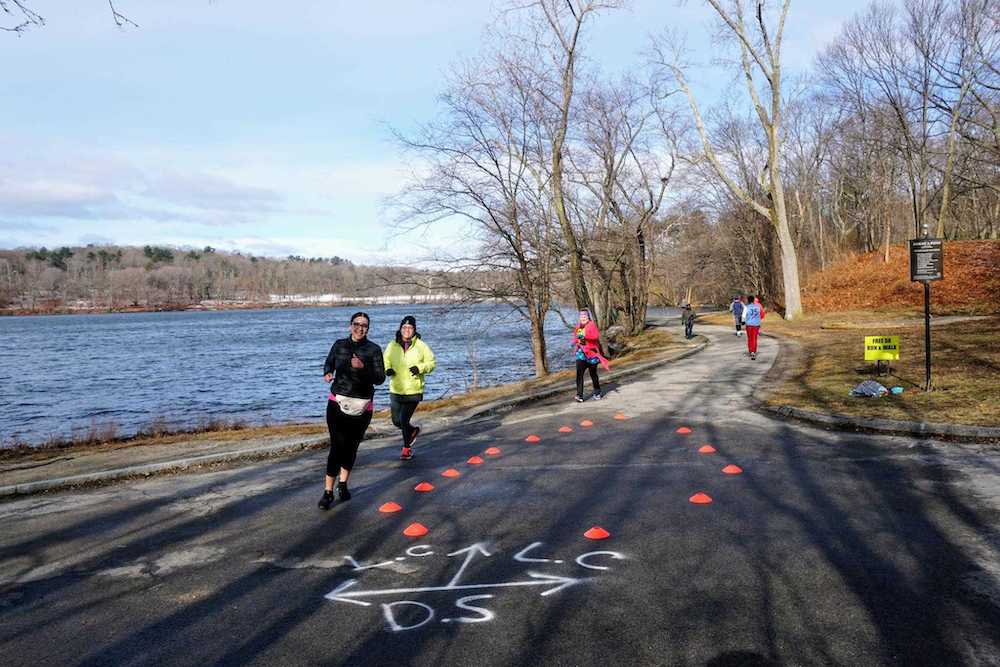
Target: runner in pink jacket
{"x": 587, "y": 344}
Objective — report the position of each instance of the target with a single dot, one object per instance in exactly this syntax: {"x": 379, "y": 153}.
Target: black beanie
{"x": 409, "y": 319}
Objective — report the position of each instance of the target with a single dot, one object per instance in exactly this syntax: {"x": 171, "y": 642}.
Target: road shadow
{"x": 827, "y": 543}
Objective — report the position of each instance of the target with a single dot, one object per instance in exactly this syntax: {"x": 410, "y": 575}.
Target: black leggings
{"x": 402, "y": 408}
{"x": 582, "y": 365}
{"x": 346, "y": 433}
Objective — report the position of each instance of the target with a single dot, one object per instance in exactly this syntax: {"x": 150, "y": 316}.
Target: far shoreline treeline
{"x": 109, "y": 278}
{"x": 360, "y": 302}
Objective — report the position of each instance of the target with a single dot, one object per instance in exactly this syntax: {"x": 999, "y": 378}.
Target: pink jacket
{"x": 590, "y": 345}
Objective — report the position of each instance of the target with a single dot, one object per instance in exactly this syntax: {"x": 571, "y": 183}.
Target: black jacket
{"x": 350, "y": 381}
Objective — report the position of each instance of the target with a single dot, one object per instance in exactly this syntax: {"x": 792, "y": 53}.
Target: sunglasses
{"x": 360, "y": 325}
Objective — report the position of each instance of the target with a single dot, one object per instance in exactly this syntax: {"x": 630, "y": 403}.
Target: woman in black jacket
{"x": 354, "y": 364}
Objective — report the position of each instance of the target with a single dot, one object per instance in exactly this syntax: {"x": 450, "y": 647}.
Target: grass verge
{"x": 965, "y": 358}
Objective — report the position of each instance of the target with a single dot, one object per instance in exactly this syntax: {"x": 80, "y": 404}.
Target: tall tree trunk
{"x": 568, "y": 80}
{"x": 888, "y": 237}
{"x": 638, "y": 314}
{"x": 580, "y": 292}
{"x": 789, "y": 258}
{"x": 950, "y": 161}
{"x": 538, "y": 350}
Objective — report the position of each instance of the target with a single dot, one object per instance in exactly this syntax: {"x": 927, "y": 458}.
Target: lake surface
{"x": 64, "y": 375}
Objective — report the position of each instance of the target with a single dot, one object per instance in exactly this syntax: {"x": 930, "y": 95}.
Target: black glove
{"x": 414, "y": 370}
{"x": 389, "y": 372}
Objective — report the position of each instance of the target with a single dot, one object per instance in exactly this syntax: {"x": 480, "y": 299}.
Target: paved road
{"x": 828, "y": 549}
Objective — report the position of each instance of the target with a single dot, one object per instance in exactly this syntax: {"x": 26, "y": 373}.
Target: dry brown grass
{"x": 965, "y": 371}
{"x": 863, "y": 295}
{"x": 965, "y": 367}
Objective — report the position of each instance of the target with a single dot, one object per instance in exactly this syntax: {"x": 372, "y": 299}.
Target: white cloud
{"x": 49, "y": 198}
{"x": 203, "y": 190}
{"x": 106, "y": 187}
{"x": 277, "y": 150}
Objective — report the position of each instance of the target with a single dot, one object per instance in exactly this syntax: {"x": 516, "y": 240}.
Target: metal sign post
{"x": 926, "y": 264}
{"x": 927, "y": 335}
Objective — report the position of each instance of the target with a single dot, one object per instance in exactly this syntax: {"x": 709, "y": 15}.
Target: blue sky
{"x": 260, "y": 126}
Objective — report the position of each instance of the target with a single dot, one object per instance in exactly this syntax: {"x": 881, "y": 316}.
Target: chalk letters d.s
{"x": 404, "y": 615}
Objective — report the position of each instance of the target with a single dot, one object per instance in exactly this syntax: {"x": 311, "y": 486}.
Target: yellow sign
{"x": 881, "y": 348}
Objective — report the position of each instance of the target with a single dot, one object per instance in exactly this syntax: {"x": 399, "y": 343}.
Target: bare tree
{"x": 482, "y": 164}
{"x": 25, "y": 17}
{"x": 621, "y": 168}
{"x": 877, "y": 62}
{"x": 965, "y": 69}
{"x": 554, "y": 29}
{"x": 760, "y": 54}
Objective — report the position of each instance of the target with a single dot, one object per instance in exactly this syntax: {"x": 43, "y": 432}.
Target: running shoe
{"x": 406, "y": 454}
{"x": 327, "y": 500}
{"x": 578, "y": 399}
{"x": 342, "y": 492}
{"x": 413, "y": 438}
{"x": 597, "y": 396}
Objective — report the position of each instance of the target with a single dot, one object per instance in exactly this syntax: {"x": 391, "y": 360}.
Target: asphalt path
{"x": 828, "y": 548}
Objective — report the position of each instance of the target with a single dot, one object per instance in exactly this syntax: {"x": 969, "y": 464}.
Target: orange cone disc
{"x": 586, "y": 423}
{"x": 700, "y": 498}
{"x": 597, "y": 533}
{"x": 415, "y": 530}
{"x": 493, "y": 451}
{"x": 532, "y": 438}
{"x": 706, "y": 449}
{"x": 684, "y": 430}
{"x": 389, "y": 508}
{"x": 450, "y": 472}
{"x": 732, "y": 469}
{"x": 565, "y": 429}
{"x": 424, "y": 486}
{"x": 620, "y": 417}
{"x": 475, "y": 461}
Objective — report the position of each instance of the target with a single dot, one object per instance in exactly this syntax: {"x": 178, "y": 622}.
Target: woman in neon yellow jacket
{"x": 407, "y": 360}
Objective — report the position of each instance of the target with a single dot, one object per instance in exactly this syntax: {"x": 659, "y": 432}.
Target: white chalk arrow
{"x": 537, "y": 579}
{"x": 564, "y": 582}
{"x": 358, "y": 566}
{"x": 470, "y": 553}
{"x": 335, "y": 594}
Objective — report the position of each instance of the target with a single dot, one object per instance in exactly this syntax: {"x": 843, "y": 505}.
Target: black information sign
{"x": 926, "y": 259}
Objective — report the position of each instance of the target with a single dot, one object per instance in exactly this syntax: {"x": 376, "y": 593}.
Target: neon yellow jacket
{"x": 418, "y": 354}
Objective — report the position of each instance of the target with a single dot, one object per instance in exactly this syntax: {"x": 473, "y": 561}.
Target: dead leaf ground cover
{"x": 971, "y": 283}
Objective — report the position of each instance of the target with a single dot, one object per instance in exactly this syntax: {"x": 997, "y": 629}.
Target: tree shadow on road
{"x": 830, "y": 548}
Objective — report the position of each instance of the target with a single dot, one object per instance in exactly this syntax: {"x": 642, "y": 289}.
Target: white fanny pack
{"x": 354, "y": 407}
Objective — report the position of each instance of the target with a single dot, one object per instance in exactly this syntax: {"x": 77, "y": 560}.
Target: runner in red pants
{"x": 752, "y": 333}
{"x": 753, "y": 313}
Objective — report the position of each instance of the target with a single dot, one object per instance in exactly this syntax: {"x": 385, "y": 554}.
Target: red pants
{"x": 752, "y": 332}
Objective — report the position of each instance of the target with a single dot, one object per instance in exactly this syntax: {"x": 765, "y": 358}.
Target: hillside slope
{"x": 971, "y": 283}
